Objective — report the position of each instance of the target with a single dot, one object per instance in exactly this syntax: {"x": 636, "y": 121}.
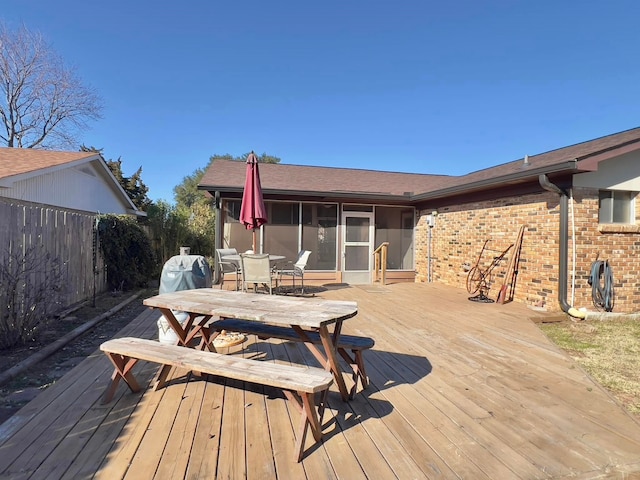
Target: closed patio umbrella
{"x": 252, "y": 213}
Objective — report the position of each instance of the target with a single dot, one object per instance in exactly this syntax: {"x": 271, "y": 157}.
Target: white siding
{"x": 82, "y": 188}
{"x": 620, "y": 173}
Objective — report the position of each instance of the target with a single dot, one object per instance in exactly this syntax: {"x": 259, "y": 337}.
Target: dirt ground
{"x": 27, "y": 385}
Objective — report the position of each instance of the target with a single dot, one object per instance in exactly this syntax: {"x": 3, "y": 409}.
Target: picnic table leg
{"x": 321, "y": 357}
{"x": 208, "y": 337}
{"x": 334, "y": 365}
{"x": 180, "y": 331}
{"x": 187, "y": 332}
{"x": 357, "y": 366}
{"x": 362, "y": 373}
{"x": 305, "y": 404}
{"x": 123, "y": 368}
{"x": 330, "y": 359}
{"x": 200, "y": 328}
{"x": 161, "y": 377}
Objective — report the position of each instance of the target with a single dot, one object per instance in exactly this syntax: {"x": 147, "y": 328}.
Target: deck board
{"x": 458, "y": 390}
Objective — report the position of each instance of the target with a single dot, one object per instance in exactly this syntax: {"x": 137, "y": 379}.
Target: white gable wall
{"x": 81, "y": 187}
{"x": 620, "y": 173}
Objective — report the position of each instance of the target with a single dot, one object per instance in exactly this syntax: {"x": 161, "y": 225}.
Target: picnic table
{"x": 304, "y": 316}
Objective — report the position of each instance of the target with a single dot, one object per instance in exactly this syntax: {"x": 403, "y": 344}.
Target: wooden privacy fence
{"x": 67, "y": 236}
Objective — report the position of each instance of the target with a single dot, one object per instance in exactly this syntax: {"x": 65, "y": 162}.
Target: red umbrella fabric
{"x": 252, "y": 213}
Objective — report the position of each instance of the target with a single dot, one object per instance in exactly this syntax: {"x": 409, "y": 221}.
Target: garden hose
{"x": 601, "y": 281}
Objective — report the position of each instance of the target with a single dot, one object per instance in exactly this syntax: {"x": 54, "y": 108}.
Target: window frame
{"x": 607, "y": 211}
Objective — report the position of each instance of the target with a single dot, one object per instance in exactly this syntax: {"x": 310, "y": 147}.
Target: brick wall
{"x": 619, "y": 244}
{"x": 460, "y": 231}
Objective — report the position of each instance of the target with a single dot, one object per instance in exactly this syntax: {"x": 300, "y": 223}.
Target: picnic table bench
{"x": 346, "y": 343}
{"x": 299, "y": 384}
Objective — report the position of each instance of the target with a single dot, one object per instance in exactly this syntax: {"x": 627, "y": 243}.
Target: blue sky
{"x": 412, "y": 86}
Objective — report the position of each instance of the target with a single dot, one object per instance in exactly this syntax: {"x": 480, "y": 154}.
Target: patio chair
{"x": 256, "y": 269}
{"x": 227, "y": 267}
{"x": 296, "y": 269}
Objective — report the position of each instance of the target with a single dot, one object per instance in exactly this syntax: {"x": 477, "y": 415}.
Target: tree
{"x": 264, "y": 158}
{"x": 43, "y": 104}
{"x": 167, "y": 230}
{"x": 127, "y": 252}
{"x": 186, "y": 193}
{"x": 133, "y": 185}
{"x": 193, "y": 211}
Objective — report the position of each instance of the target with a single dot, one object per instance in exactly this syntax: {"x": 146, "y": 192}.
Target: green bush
{"x": 127, "y": 252}
{"x": 172, "y": 227}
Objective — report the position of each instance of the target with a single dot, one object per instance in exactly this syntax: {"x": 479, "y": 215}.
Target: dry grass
{"x": 608, "y": 350}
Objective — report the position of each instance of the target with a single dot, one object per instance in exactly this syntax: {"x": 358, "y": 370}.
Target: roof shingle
{"x": 230, "y": 175}
{"x": 17, "y": 161}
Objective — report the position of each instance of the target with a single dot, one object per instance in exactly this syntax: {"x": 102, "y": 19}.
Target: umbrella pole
{"x": 254, "y": 240}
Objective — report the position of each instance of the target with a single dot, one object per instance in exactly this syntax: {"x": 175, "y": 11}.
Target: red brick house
{"x": 577, "y": 205}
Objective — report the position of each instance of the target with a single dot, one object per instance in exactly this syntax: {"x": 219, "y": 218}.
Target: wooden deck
{"x": 458, "y": 390}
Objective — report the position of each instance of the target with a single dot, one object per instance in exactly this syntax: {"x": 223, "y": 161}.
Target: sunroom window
{"x": 616, "y": 206}
{"x": 395, "y": 225}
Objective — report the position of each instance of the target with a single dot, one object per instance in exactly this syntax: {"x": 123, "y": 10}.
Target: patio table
{"x": 302, "y": 315}
{"x": 236, "y": 258}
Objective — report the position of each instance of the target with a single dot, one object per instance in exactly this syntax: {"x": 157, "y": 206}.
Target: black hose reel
{"x": 601, "y": 281}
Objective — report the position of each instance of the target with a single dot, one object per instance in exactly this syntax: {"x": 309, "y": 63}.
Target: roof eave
{"x": 528, "y": 173}
{"x": 11, "y": 179}
{"x": 136, "y": 212}
{"x": 118, "y": 188}
{"x": 320, "y": 194}
{"x": 591, "y": 162}
{"x": 340, "y": 194}
{"x": 570, "y": 166}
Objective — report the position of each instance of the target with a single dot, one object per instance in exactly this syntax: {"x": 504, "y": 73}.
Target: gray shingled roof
{"x": 228, "y": 176}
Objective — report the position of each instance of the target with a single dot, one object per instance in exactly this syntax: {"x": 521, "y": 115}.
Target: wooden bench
{"x": 346, "y": 343}
{"x": 300, "y": 384}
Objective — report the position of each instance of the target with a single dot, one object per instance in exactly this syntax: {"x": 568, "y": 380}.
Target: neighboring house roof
{"x": 227, "y": 176}
{"x": 19, "y": 165}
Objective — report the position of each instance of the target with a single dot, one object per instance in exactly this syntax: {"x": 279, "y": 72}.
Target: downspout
{"x": 429, "y": 256}
{"x": 217, "y": 231}
{"x": 563, "y": 246}
{"x": 431, "y": 222}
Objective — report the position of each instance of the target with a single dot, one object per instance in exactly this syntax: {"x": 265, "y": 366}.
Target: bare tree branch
{"x": 43, "y": 104}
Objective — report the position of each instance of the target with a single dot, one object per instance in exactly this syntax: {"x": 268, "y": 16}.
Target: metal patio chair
{"x": 256, "y": 270}
{"x": 295, "y": 269}
{"x": 226, "y": 266}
